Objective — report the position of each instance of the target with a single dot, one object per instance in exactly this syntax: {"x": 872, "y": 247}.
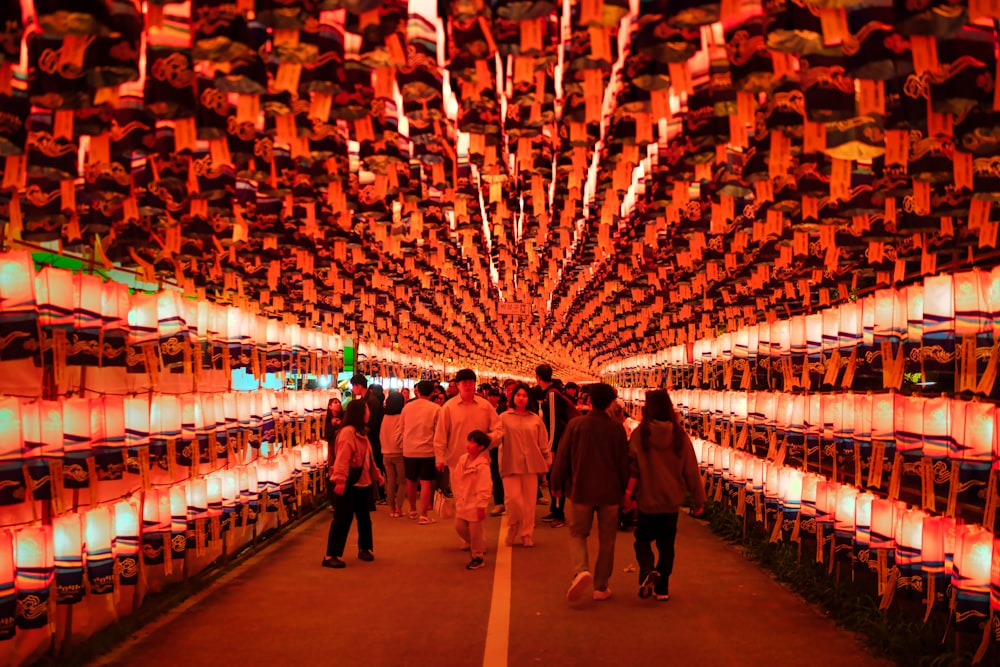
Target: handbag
{"x": 443, "y": 505}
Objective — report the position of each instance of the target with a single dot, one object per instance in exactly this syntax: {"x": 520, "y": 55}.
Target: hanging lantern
{"x": 126, "y": 543}
{"x": 12, "y": 479}
{"x": 178, "y": 520}
{"x": 909, "y": 543}
{"x": 165, "y": 422}
{"x": 932, "y": 544}
{"x": 909, "y": 416}
{"x": 849, "y": 328}
{"x": 137, "y": 433}
{"x": 19, "y": 334}
{"x": 98, "y": 534}
{"x": 831, "y": 329}
{"x": 41, "y": 424}
{"x": 156, "y": 527}
{"x": 883, "y": 522}
{"x": 77, "y": 442}
{"x": 35, "y": 572}
{"x": 809, "y": 494}
{"x": 937, "y": 419}
{"x": 971, "y": 576}
{"x": 67, "y": 548}
{"x": 8, "y": 591}
{"x": 862, "y": 524}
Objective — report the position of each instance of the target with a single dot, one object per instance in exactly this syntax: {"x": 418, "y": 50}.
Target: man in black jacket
{"x": 554, "y": 409}
{"x": 359, "y": 389}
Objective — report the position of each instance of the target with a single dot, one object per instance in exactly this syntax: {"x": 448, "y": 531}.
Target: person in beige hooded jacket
{"x": 663, "y": 469}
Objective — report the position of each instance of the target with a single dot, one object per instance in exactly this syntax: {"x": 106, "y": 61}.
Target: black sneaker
{"x": 475, "y": 564}
{"x": 366, "y": 555}
{"x": 649, "y": 584}
{"x": 334, "y": 563}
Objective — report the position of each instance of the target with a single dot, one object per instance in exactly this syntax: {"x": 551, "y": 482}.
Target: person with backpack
{"x": 556, "y": 411}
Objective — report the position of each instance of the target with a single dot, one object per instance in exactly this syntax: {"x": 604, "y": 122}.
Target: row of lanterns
{"x": 143, "y": 541}
{"x": 941, "y": 307}
{"x": 916, "y": 545}
{"x": 155, "y": 436}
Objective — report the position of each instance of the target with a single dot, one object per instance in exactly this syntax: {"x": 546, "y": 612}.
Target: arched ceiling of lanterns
{"x": 420, "y": 175}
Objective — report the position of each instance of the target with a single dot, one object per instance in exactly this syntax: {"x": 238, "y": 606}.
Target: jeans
{"x": 395, "y": 484}
{"x": 498, "y": 488}
{"x": 473, "y": 532}
{"x": 580, "y": 522}
{"x": 661, "y": 528}
{"x": 520, "y": 492}
{"x": 354, "y": 503}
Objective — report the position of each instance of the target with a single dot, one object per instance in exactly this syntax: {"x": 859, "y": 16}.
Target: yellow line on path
{"x": 119, "y": 652}
{"x": 498, "y": 628}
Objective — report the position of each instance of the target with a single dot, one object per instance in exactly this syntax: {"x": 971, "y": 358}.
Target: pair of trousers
{"x": 395, "y": 483}
{"x": 354, "y": 503}
{"x": 498, "y": 487}
{"x": 581, "y": 520}
{"x": 662, "y": 529}
{"x": 473, "y": 532}
{"x": 520, "y": 492}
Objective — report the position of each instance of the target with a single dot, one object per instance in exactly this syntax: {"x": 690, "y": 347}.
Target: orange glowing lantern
{"x": 67, "y": 548}
{"x": 971, "y": 308}
{"x": 797, "y": 335}
{"x": 908, "y": 421}
{"x": 11, "y": 452}
{"x": 115, "y": 304}
{"x": 932, "y": 543}
{"x": 973, "y": 437}
{"x": 18, "y": 306}
{"x": 126, "y": 542}
{"x": 909, "y": 541}
{"x": 98, "y": 533}
{"x": 971, "y": 576}
{"x": 937, "y": 419}
{"x": 77, "y": 441}
{"x": 914, "y": 313}
{"x": 939, "y": 306}
{"x": 814, "y": 334}
{"x": 863, "y": 520}
{"x": 831, "y": 329}
{"x": 867, "y": 308}
{"x": 844, "y": 513}
{"x": 8, "y": 591}
{"x": 35, "y": 571}
{"x": 883, "y": 522}
{"x": 849, "y": 328}
{"x": 143, "y": 320}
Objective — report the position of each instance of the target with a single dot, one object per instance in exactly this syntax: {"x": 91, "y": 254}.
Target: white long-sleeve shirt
{"x": 418, "y": 422}
{"x": 457, "y": 420}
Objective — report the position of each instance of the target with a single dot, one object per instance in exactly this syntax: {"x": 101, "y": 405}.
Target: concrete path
{"x": 418, "y": 605}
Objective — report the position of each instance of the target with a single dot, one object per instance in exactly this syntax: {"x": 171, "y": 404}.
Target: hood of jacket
{"x": 661, "y": 435}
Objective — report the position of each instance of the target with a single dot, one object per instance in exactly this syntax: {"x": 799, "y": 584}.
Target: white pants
{"x": 520, "y": 496}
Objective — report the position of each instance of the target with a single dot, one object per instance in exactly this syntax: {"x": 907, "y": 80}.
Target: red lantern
{"x": 908, "y": 420}
{"x": 18, "y": 306}
{"x": 939, "y": 305}
{"x": 973, "y": 431}
{"x": 35, "y": 571}
{"x": 914, "y": 313}
{"x": 849, "y": 329}
{"x": 883, "y": 524}
{"x": 797, "y": 335}
{"x": 937, "y": 419}
{"x": 971, "y": 309}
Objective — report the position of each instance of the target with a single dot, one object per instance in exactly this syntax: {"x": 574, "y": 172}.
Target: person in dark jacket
{"x": 554, "y": 409}
{"x": 591, "y": 471}
{"x": 360, "y": 391}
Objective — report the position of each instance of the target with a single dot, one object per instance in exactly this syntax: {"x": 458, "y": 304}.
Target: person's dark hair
{"x": 520, "y": 386}
{"x": 339, "y": 403}
{"x": 659, "y": 408}
{"x": 544, "y": 372}
{"x": 378, "y": 391}
{"x": 425, "y": 387}
{"x": 480, "y": 439}
{"x": 394, "y": 403}
{"x": 571, "y": 386}
{"x": 492, "y": 391}
{"x": 359, "y": 380}
{"x": 601, "y": 395}
{"x": 354, "y": 415}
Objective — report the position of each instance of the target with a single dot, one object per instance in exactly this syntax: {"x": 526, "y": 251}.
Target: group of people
{"x": 491, "y": 443}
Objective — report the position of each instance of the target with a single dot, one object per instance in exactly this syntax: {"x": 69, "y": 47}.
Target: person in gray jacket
{"x": 591, "y": 470}
{"x": 662, "y": 471}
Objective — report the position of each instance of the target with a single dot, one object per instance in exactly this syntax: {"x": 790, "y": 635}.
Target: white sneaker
{"x": 582, "y": 582}
{"x": 601, "y": 596}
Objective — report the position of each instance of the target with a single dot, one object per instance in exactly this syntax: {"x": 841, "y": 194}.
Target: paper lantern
{"x": 973, "y": 431}
{"x": 826, "y": 500}
{"x": 883, "y": 418}
{"x": 862, "y": 520}
{"x": 908, "y": 422}
{"x": 18, "y": 307}
{"x": 197, "y": 499}
{"x": 98, "y": 534}
{"x": 831, "y": 329}
{"x": 8, "y": 591}
{"x": 937, "y": 429}
{"x": 814, "y": 334}
{"x": 797, "y": 335}
{"x": 810, "y": 490}
{"x": 54, "y": 294}
{"x": 849, "y": 329}
{"x": 867, "y": 308}
{"x": 178, "y": 520}
{"x": 126, "y": 542}
{"x": 67, "y": 548}
{"x": 753, "y": 342}
{"x": 77, "y": 441}
{"x": 914, "y": 313}
{"x": 883, "y": 522}
{"x": 35, "y": 572}
{"x": 213, "y": 495}
{"x": 844, "y": 512}
{"x": 115, "y": 305}
{"x": 738, "y": 468}
{"x": 137, "y": 414}
{"x": 143, "y": 319}
{"x": 932, "y": 543}
{"x": 890, "y": 315}
{"x": 909, "y": 540}
{"x": 971, "y": 576}
{"x": 972, "y": 312}
{"x": 156, "y": 526}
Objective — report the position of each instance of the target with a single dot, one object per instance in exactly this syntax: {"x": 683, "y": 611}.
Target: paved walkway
{"x": 418, "y": 605}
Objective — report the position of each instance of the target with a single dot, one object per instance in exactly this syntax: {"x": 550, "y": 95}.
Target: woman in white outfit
{"x": 524, "y": 455}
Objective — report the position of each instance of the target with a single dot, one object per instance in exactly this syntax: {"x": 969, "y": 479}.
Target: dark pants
{"x": 661, "y": 528}
{"x": 354, "y": 503}
{"x": 557, "y": 506}
{"x": 495, "y": 474}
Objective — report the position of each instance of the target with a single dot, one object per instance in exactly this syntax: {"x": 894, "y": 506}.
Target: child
{"x": 473, "y": 490}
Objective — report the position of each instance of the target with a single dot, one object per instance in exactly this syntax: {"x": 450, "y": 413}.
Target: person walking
{"x": 353, "y": 474}
{"x": 556, "y": 411}
{"x": 391, "y": 437}
{"x": 523, "y": 455}
{"x": 418, "y": 424}
{"x": 473, "y": 485}
{"x": 459, "y": 417}
{"x": 662, "y": 470}
{"x": 591, "y": 470}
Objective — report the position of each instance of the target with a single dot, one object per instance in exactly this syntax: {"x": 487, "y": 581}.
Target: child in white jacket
{"x": 473, "y": 490}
